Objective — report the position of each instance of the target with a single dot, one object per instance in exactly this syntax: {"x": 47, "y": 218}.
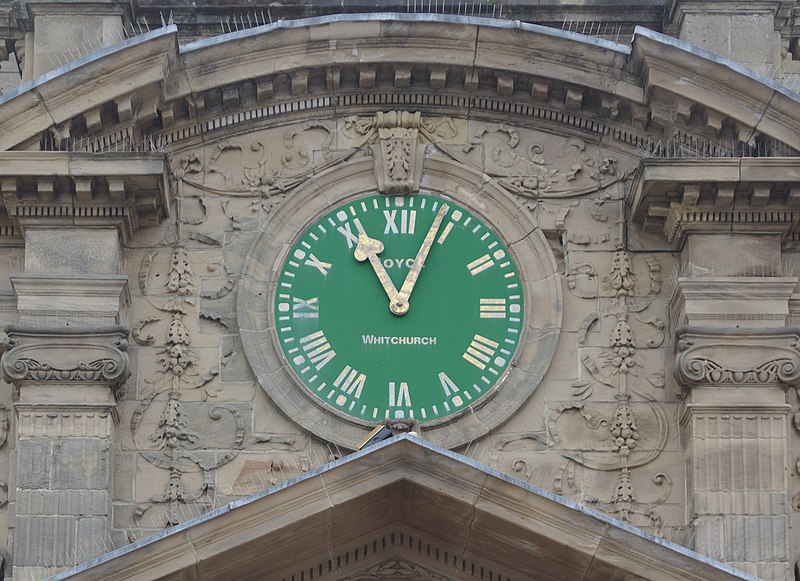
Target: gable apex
{"x": 403, "y": 500}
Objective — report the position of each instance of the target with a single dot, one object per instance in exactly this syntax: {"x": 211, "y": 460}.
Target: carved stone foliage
{"x": 735, "y": 357}
{"x": 264, "y": 164}
{"x": 796, "y": 424}
{"x": 3, "y": 425}
{"x": 613, "y": 399}
{"x": 66, "y": 356}
{"x": 243, "y": 179}
{"x": 538, "y": 165}
{"x": 175, "y": 447}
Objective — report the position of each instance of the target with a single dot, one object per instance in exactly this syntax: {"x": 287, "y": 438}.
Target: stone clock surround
{"x": 538, "y": 273}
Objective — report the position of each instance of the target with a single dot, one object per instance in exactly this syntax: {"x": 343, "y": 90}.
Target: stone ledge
{"x": 126, "y": 191}
{"x": 720, "y": 195}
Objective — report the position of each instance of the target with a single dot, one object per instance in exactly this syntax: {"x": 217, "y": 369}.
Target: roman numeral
{"x": 445, "y": 233}
{"x": 480, "y": 264}
{"x": 493, "y": 308}
{"x": 408, "y": 221}
{"x": 305, "y": 308}
{"x": 455, "y": 216}
{"x": 317, "y": 349}
{"x": 350, "y": 381}
{"x": 480, "y": 351}
{"x": 447, "y": 384}
{"x": 399, "y": 397}
{"x": 321, "y": 266}
{"x": 346, "y": 230}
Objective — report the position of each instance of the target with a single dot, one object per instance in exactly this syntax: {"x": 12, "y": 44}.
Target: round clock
{"x": 399, "y": 307}
{"x": 444, "y": 306}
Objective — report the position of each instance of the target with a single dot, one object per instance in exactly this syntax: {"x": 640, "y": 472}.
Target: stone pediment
{"x": 398, "y": 510}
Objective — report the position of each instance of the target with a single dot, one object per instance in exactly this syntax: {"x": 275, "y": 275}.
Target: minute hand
{"x": 399, "y": 306}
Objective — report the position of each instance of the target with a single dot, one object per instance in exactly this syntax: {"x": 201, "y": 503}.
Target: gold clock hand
{"x": 399, "y": 306}
{"x": 368, "y": 249}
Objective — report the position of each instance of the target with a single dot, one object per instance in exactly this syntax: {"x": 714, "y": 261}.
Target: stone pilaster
{"x": 68, "y": 362}
{"x": 734, "y": 361}
{"x": 735, "y": 357}
{"x": 735, "y": 428}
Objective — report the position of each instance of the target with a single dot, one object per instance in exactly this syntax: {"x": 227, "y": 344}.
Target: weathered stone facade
{"x": 153, "y": 182}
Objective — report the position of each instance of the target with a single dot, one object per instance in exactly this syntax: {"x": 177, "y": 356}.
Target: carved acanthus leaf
{"x": 535, "y": 165}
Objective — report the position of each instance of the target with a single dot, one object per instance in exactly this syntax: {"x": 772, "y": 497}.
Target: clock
{"x": 443, "y": 306}
{"x": 399, "y": 307}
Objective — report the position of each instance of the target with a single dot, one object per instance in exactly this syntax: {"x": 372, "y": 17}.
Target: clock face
{"x": 399, "y": 307}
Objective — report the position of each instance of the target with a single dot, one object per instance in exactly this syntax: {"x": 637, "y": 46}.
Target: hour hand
{"x": 368, "y": 249}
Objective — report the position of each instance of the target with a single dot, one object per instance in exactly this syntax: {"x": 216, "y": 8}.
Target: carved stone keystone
{"x": 398, "y": 155}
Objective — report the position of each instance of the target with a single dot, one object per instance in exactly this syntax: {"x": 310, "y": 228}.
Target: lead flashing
{"x": 403, "y": 17}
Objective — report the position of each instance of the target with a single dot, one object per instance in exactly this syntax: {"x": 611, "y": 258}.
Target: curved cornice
{"x": 445, "y": 63}
{"x": 720, "y": 83}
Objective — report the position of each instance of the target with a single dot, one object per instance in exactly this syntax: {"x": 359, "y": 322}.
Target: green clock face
{"x": 399, "y": 307}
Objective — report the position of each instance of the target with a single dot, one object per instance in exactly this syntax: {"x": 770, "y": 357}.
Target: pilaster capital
{"x": 66, "y": 357}
{"x": 737, "y": 358}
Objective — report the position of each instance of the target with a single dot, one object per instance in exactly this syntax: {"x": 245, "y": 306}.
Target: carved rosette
{"x": 66, "y": 356}
{"x": 737, "y": 357}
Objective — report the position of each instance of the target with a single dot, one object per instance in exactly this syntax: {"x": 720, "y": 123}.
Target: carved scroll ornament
{"x": 397, "y": 569}
{"x": 66, "y": 356}
{"x": 730, "y": 358}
